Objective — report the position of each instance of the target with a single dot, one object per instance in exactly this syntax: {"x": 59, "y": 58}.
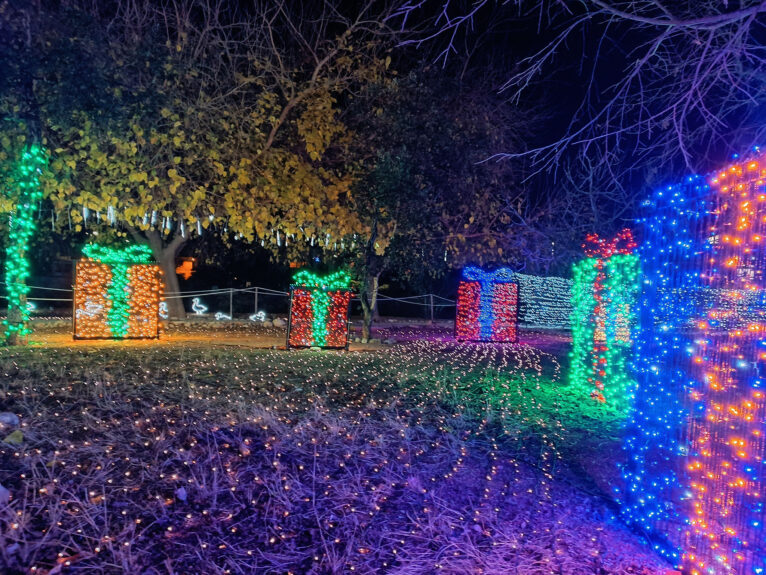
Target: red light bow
{"x": 596, "y": 247}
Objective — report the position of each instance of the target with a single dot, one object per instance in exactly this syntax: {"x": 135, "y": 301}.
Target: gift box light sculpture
{"x": 603, "y": 317}
{"x": 319, "y": 310}
{"x": 696, "y": 445}
{"x": 117, "y": 294}
{"x": 487, "y": 306}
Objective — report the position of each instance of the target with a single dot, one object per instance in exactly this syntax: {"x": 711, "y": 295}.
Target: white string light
{"x": 544, "y": 302}
{"x": 198, "y": 307}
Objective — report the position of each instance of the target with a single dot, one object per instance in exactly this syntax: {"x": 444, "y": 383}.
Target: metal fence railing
{"x": 227, "y": 304}
{"x": 544, "y": 302}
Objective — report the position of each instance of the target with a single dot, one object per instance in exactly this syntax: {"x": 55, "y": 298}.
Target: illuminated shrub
{"x": 487, "y": 306}
{"x": 117, "y": 294}
{"x": 319, "y": 310}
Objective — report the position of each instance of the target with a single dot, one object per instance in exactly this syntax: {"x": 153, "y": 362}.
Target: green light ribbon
{"x": 118, "y": 291}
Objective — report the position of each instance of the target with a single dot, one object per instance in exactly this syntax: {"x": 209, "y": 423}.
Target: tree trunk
{"x": 375, "y": 310}
{"x": 21, "y": 228}
{"x": 17, "y": 253}
{"x": 16, "y": 318}
{"x": 165, "y": 254}
{"x": 167, "y": 262}
{"x": 373, "y": 267}
{"x": 369, "y": 299}
{"x": 22, "y": 224}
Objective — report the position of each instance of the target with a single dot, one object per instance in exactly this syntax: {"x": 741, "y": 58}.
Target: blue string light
{"x": 692, "y": 480}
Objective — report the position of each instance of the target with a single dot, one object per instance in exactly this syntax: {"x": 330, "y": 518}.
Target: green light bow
{"x": 334, "y": 281}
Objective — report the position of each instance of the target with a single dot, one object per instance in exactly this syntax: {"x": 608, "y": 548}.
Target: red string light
{"x": 305, "y": 331}
{"x": 487, "y": 309}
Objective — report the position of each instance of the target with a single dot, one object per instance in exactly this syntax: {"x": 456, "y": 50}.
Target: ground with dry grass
{"x": 425, "y": 457}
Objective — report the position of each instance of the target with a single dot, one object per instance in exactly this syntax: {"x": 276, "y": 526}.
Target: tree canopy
{"x": 298, "y": 127}
{"x": 168, "y": 119}
{"x": 426, "y": 199}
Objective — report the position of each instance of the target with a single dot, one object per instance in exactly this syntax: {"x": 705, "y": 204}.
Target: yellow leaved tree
{"x": 167, "y": 120}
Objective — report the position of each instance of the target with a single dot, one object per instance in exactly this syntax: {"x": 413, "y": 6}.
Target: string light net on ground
{"x": 117, "y": 294}
{"x": 487, "y": 306}
{"x": 319, "y": 310}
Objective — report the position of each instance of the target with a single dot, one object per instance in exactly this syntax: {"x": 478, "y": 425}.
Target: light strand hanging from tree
{"x": 26, "y": 190}
{"x": 319, "y": 310}
{"x": 118, "y": 293}
{"x": 487, "y": 306}
{"x": 603, "y": 317}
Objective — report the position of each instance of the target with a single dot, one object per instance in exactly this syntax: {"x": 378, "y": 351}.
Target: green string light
{"x": 25, "y": 184}
{"x": 118, "y": 290}
{"x": 583, "y": 322}
{"x": 135, "y": 254}
{"x": 334, "y": 281}
{"x": 320, "y": 304}
{"x": 621, "y": 294}
{"x": 605, "y": 360}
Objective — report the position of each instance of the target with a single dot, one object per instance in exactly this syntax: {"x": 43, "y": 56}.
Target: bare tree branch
{"x": 672, "y": 83}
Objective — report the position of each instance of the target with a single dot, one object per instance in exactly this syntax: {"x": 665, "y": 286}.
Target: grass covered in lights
{"x": 426, "y": 457}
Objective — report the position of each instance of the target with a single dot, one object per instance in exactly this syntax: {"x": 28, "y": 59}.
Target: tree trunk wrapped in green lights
{"x": 24, "y": 188}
